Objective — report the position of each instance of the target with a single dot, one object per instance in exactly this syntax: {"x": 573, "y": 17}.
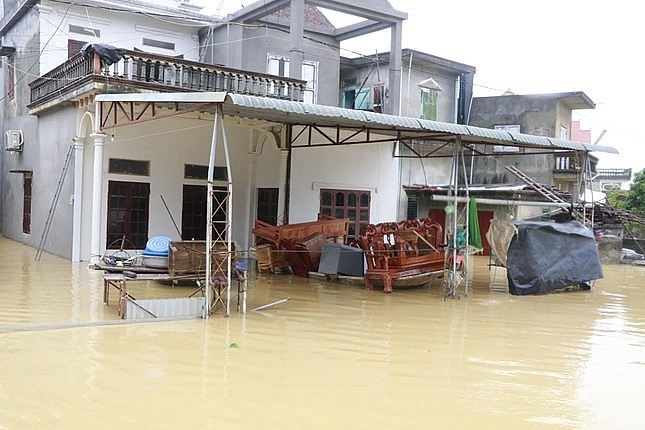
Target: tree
{"x": 635, "y": 200}
{"x": 617, "y": 198}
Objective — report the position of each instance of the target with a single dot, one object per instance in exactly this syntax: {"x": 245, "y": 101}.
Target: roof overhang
{"x": 332, "y": 125}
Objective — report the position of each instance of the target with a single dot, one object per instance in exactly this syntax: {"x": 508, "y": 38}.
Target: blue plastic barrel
{"x": 157, "y": 245}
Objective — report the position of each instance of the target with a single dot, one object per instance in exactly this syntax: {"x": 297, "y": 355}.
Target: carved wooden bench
{"x": 399, "y": 250}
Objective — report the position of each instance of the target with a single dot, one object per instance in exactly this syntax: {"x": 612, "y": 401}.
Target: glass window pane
{"x": 351, "y": 230}
{"x": 365, "y": 200}
{"x": 340, "y": 199}
{"x": 362, "y": 99}
{"x": 351, "y": 200}
{"x": 326, "y": 198}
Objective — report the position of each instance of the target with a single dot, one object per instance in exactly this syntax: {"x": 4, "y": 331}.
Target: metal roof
{"x": 390, "y": 127}
{"x": 296, "y": 113}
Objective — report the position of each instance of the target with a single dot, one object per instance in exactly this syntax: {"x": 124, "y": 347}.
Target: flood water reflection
{"x": 333, "y": 356}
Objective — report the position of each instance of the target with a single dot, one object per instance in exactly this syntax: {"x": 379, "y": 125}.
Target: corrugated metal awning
{"x": 433, "y": 134}
{"x": 296, "y": 113}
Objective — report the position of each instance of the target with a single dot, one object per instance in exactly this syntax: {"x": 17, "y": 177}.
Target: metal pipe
{"x": 484, "y": 201}
{"x": 268, "y": 305}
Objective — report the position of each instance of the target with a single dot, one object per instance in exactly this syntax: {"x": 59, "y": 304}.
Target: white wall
{"x": 358, "y": 167}
{"x": 123, "y": 30}
{"x": 170, "y": 143}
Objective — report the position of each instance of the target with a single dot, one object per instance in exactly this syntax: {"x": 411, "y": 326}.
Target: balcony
{"x": 614, "y": 174}
{"x": 572, "y": 163}
{"x": 82, "y": 76}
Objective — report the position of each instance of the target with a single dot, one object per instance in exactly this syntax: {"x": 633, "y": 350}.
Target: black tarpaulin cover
{"x": 545, "y": 256}
{"x": 108, "y": 53}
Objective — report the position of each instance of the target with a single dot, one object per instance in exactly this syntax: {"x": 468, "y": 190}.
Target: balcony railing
{"x": 614, "y": 174}
{"x": 570, "y": 163}
{"x": 142, "y": 70}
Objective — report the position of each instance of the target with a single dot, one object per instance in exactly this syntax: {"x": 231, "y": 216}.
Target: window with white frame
{"x": 429, "y": 103}
{"x": 279, "y": 66}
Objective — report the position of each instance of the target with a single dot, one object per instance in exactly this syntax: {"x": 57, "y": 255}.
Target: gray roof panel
{"x": 296, "y": 113}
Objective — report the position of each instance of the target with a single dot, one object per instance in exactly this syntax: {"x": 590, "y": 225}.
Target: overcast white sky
{"x": 534, "y": 47}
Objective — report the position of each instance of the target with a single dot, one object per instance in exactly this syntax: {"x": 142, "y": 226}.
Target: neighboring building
{"x": 506, "y": 195}
{"x": 578, "y": 134}
{"x": 604, "y": 179}
{"x": 433, "y": 88}
{"x": 268, "y": 38}
{"x": 537, "y": 114}
{"x": 611, "y": 179}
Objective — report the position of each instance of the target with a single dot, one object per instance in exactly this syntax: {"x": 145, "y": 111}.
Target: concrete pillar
{"x": 79, "y": 143}
{"x": 234, "y": 47}
{"x": 282, "y": 195}
{"x": 98, "y": 140}
{"x": 393, "y": 106}
{"x": 251, "y": 192}
{"x": 296, "y": 51}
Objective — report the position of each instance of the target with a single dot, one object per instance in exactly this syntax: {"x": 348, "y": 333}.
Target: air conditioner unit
{"x": 13, "y": 141}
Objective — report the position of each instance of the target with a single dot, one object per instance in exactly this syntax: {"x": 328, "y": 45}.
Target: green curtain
{"x": 474, "y": 236}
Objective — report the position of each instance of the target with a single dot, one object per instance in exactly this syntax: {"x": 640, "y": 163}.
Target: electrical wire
{"x": 17, "y": 81}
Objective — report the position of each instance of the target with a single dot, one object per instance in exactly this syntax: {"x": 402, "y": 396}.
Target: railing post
{"x": 96, "y": 64}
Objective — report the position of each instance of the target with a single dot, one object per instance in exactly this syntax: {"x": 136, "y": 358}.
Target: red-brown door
{"x": 485, "y": 217}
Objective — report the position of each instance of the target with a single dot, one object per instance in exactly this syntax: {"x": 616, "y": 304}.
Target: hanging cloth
{"x": 474, "y": 236}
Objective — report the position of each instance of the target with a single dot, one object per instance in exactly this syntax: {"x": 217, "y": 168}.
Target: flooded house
{"x": 111, "y": 132}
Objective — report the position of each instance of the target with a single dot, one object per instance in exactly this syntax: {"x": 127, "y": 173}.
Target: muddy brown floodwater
{"x": 333, "y": 357}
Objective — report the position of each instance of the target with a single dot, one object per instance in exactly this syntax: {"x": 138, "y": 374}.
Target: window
{"x": 379, "y": 97}
{"x": 267, "y": 210}
{"x": 356, "y": 99}
{"x": 309, "y": 74}
{"x": 74, "y": 47}
{"x": 26, "y": 202}
{"x": 429, "y": 104}
{"x": 365, "y": 98}
{"x": 564, "y": 132}
{"x": 279, "y": 66}
{"x": 354, "y": 205}
{"x": 195, "y": 171}
{"x": 193, "y": 212}
{"x": 129, "y": 167}
{"x": 158, "y": 44}
{"x": 127, "y": 217}
{"x": 413, "y": 208}
{"x": 85, "y": 31}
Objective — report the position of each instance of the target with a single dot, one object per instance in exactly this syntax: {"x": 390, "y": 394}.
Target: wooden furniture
{"x": 270, "y": 258}
{"x": 331, "y": 227}
{"x": 189, "y": 257}
{"x": 273, "y": 254}
{"x": 186, "y": 263}
{"x": 304, "y": 254}
{"x": 400, "y": 250}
